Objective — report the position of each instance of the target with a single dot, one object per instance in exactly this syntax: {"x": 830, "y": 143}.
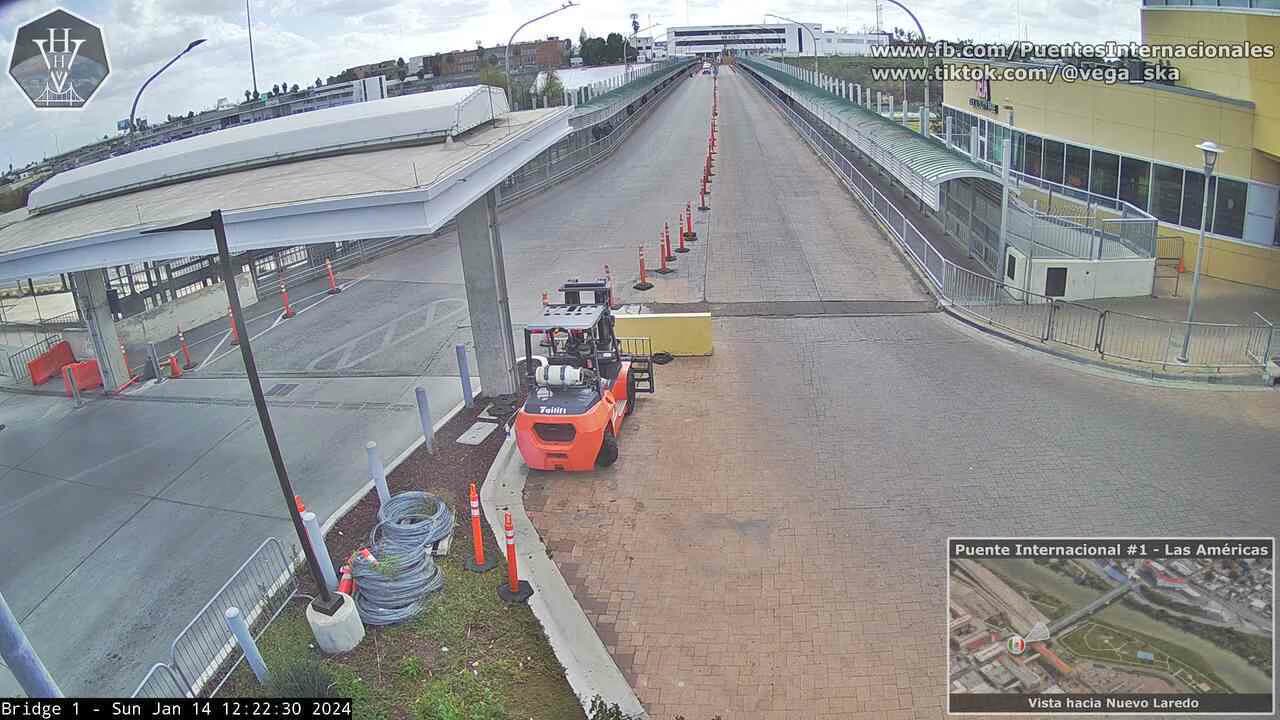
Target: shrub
{"x": 300, "y": 679}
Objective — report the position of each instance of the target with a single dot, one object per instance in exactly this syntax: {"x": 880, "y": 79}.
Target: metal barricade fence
{"x": 205, "y": 653}
{"x": 161, "y": 682}
{"x": 1077, "y": 325}
{"x": 1261, "y": 340}
{"x": 1136, "y": 338}
{"x": 18, "y": 361}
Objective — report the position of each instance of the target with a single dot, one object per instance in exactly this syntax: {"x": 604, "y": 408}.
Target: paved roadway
{"x": 124, "y": 517}
{"x": 771, "y": 543}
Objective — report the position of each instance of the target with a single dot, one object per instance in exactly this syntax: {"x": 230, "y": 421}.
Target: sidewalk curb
{"x": 588, "y": 666}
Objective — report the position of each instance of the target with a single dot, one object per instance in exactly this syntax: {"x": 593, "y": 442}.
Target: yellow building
{"x": 1135, "y": 142}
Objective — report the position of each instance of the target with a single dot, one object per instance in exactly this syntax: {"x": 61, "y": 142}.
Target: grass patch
{"x": 467, "y": 656}
{"x": 1108, "y": 643}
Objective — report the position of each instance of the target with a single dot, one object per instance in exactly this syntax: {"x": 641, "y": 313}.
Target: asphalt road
{"x": 772, "y": 540}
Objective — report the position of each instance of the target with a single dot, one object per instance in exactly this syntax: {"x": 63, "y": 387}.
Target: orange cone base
{"x": 691, "y": 236}
{"x": 682, "y": 250}
{"x": 523, "y": 592}
{"x": 490, "y": 562}
{"x": 646, "y": 285}
{"x": 288, "y": 314}
{"x": 665, "y": 271}
{"x": 335, "y": 290}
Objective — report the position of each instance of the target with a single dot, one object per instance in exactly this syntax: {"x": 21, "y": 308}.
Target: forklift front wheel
{"x": 608, "y": 449}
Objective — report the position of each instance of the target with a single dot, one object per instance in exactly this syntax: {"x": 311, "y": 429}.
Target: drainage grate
{"x": 281, "y": 389}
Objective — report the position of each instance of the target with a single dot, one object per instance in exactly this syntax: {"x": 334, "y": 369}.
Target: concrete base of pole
{"x": 490, "y": 562}
{"x": 522, "y": 594}
{"x": 340, "y": 632}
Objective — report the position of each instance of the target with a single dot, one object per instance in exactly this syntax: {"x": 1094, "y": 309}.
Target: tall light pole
{"x": 811, "y": 34}
{"x": 134, "y": 109}
{"x": 507, "y": 50}
{"x": 253, "y": 69}
{"x": 1211, "y": 152}
{"x": 928, "y": 64}
{"x": 626, "y": 59}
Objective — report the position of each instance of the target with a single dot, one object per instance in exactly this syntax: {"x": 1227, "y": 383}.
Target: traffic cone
{"x": 662, "y": 253}
{"x": 186, "y": 351}
{"x": 689, "y": 234}
{"x": 235, "y": 334}
{"x": 175, "y": 370}
{"x": 644, "y": 283}
{"x": 682, "y": 248}
{"x": 666, "y": 238}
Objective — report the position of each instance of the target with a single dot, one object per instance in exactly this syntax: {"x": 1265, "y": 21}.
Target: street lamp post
{"x": 927, "y": 65}
{"x": 1211, "y": 151}
{"x": 811, "y": 34}
{"x": 134, "y": 109}
{"x": 506, "y": 54}
{"x": 626, "y": 59}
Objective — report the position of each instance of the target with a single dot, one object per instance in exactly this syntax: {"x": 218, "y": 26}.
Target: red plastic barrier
{"x": 86, "y": 373}
{"x": 49, "y": 365}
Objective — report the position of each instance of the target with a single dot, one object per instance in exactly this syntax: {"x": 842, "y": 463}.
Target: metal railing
{"x": 18, "y": 361}
{"x": 161, "y": 682}
{"x": 1109, "y": 333}
{"x": 205, "y": 653}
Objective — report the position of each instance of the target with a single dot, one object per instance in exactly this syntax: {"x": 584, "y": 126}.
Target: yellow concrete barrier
{"x": 681, "y": 334}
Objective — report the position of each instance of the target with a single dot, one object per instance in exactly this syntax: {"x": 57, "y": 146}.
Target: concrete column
{"x": 1004, "y": 206}
{"x": 89, "y": 289}
{"x": 890, "y": 107}
{"x": 486, "y": 282}
{"x": 946, "y": 128}
{"x": 973, "y": 142}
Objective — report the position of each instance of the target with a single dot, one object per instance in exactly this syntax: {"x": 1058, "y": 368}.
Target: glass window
{"x": 1105, "y": 174}
{"x": 1053, "y": 159}
{"x": 1077, "y": 175}
{"x": 1135, "y": 181}
{"x": 1033, "y": 161}
{"x": 1228, "y": 212}
{"x": 1192, "y": 197}
{"x": 1166, "y": 193}
{"x": 1019, "y": 151}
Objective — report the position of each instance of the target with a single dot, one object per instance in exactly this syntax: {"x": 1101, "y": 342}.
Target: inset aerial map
{"x": 1100, "y": 626}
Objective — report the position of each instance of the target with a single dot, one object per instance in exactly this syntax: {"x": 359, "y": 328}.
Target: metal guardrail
{"x": 205, "y": 653}
{"x": 18, "y": 361}
{"x": 161, "y": 682}
{"x": 1109, "y": 333}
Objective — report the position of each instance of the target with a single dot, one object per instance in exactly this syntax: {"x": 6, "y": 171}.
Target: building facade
{"x": 533, "y": 56}
{"x": 1136, "y": 141}
{"x": 768, "y": 39}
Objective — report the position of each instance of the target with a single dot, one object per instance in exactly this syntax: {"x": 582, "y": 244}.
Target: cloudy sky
{"x": 297, "y": 40}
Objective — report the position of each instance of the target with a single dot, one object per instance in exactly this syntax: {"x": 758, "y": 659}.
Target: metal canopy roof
{"x": 379, "y": 193}
{"x": 920, "y": 163}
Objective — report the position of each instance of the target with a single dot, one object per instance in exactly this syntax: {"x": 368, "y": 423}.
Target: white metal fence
{"x": 204, "y": 653}
{"x": 1108, "y": 333}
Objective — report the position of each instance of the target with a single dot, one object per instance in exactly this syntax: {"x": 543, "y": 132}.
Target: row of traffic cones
{"x": 667, "y": 252}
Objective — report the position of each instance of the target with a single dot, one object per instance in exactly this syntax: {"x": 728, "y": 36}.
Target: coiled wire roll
{"x": 393, "y": 582}
{"x": 392, "y": 585}
{"x": 411, "y": 520}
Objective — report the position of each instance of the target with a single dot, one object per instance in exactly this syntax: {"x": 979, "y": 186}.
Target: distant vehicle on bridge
{"x": 706, "y": 68}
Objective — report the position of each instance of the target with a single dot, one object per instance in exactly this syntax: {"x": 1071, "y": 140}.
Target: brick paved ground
{"x": 771, "y": 542}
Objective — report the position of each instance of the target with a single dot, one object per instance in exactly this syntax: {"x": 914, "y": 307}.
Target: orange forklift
{"x": 584, "y": 387}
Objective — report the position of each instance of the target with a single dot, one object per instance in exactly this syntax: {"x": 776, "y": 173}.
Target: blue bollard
{"x": 240, "y": 629}
{"x": 424, "y": 414}
{"x": 464, "y": 372}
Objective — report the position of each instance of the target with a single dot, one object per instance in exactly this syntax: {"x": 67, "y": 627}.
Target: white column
{"x": 89, "y": 289}
{"x": 485, "y": 278}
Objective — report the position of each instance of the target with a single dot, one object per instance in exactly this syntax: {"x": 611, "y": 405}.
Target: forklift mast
{"x": 574, "y": 288}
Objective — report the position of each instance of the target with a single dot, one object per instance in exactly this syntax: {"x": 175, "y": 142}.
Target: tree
{"x": 284, "y": 87}
{"x": 191, "y": 114}
{"x": 593, "y": 51}
{"x": 554, "y": 90}
{"x": 493, "y": 76}
{"x": 582, "y": 37}
{"x": 318, "y": 83}
{"x": 613, "y": 48}
{"x": 294, "y": 89}
{"x": 275, "y": 90}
